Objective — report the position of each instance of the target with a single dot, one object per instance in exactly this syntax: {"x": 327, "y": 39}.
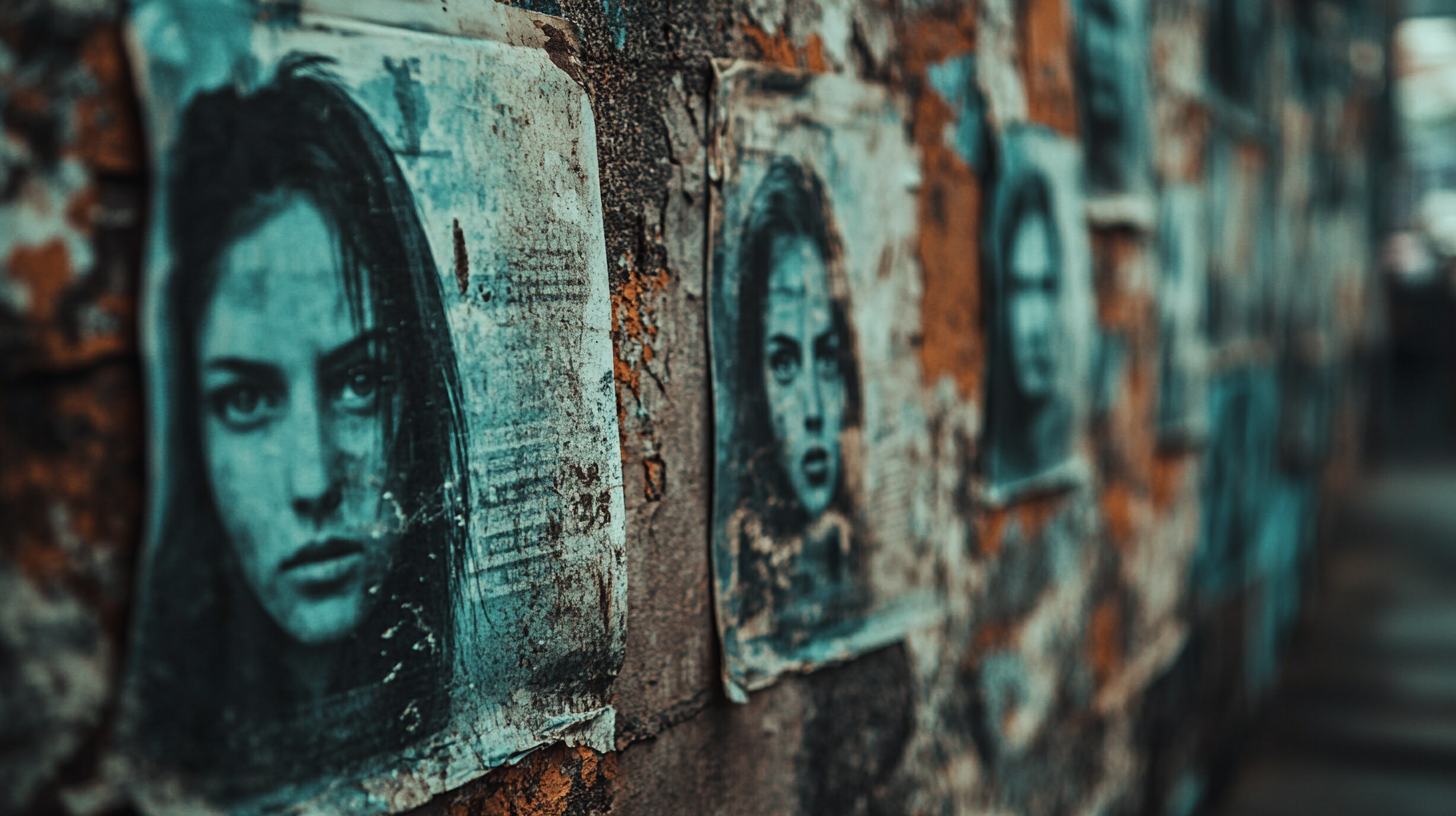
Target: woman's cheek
{"x": 243, "y": 494}
{"x": 778, "y": 399}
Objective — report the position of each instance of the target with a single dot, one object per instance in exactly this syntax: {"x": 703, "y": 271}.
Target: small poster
{"x": 1039, "y": 318}
{"x": 1112, "y": 70}
{"x": 815, "y": 304}
{"x": 386, "y": 547}
{"x": 1182, "y": 242}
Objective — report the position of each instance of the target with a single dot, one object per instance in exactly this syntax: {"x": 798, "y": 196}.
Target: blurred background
{"x": 1363, "y": 719}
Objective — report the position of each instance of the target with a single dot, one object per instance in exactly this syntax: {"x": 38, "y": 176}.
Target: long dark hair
{"x": 212, "y": 693}
{"x": 1009, "y": 408}
{"x": 788, "y": 203}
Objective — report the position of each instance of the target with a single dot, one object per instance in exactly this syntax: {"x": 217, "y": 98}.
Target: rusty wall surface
{"x": 1095, "y": 655}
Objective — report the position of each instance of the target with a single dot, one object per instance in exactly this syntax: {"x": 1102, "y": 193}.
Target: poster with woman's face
{"x": 1039, "y": 317}
{"x": 385, "y": 548}
{"x": 1182, "y": 248}
{"x": 1112, "y": 69}
{"x": 814, "y": 311}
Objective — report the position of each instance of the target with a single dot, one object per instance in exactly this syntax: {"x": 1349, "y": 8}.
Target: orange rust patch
{"x": 108, "y": 135}
{"x": 1032, "y": 516}
{"x": 72, "y": 503}
{"x": 1119, "y": 306}
{"x": 780, "y": 51}
{"x": 550, "y": 782}
{"x": 950, "y": 215}
{"x": 1046, "y": 64}
{"x": 992, "y": 531}
{"x": 634, "y": 327}
{"x": 994, "y": 636}
{"x": 45, "y": 271}
{"x": 1036, "y": 512}
{"x": 1104, "y": 640}
{"x": 1117, "y": 507}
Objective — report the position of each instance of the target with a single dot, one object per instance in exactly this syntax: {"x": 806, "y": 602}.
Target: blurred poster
{"x": 1238, "y": 479}
{"x": 815, "y": 303}
{"x": 1182, "y": 287}
{"x": 1040, "y": 324}
{"x": 1112, "y": 69}
{"x": 385, "y": 548}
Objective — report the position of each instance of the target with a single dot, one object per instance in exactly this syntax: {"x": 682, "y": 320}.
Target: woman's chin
{"x": 324, "y": 622}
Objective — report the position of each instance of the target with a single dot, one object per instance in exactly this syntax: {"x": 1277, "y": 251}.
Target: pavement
{"x": 1364, "y": 720}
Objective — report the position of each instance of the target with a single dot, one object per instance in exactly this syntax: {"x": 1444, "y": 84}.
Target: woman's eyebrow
{"x": 351, "y": 349}
{"x": 783, "y": 340}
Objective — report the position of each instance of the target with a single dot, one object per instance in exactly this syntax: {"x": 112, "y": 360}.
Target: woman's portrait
{"x": 1108, "y": 79}
{"x": 299, "y": 611}
{"x": 1183, "y": 280}
{"x": 1029, "y": 423}
{"x": 794, "y": 551}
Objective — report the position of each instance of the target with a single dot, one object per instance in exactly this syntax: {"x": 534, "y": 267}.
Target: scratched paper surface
{"x": 818, "y": 554}
{"x": 385, "y": 550}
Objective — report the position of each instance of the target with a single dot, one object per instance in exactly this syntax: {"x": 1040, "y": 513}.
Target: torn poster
{"x": 814, "y": 314}
{"x": 1112, "y": 70}
{"x": 1182, "y": 243}
{"x": 386, "y": 547}
{"x": 1040, "y": 325}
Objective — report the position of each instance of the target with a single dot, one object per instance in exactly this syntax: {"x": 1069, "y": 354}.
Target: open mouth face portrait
{"x": 803, "y": 377}
{"x": 293, "y": 387}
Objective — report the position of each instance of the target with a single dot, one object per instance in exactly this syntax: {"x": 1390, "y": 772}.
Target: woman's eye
{"x": 784, "y": 366}
{"x": 359, "y": 387}
{"x": 242, "y": 406}
{"x": 827, "y": 366}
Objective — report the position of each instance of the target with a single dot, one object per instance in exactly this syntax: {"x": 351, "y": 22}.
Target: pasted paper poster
{"x": 385, "y": 549}
{"x": 818, "y": 554}
{"x": 1040, "y": 323}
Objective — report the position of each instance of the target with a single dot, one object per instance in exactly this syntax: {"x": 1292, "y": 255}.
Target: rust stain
{"x": 551, "y": 782}
{"x": 1036, "y": 512}
{"x": 780, "y": 51}
{"x": 72, "y": 502}
{"x": 46, "y": 273}
{"x": 1104, "y": 640}
{"x": 1045, "y": 46}
{"x": 1117, "y": 508}
{"x": 1119, "y": 306}
{"x": 108, "y": 134}
{"x": 949, "y": 205}
{"x": 1031, "y": 515}
{"x": 634, "y": 326}
{"x": 991, "y": 531}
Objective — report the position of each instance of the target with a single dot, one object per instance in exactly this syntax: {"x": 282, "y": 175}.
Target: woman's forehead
{"x": 285, "y": 278}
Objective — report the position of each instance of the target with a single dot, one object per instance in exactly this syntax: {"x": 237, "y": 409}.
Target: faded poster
{"x": 1039, "y": 318}
{"x": 385, "y": 549}
{"x": 1182, "y": 242}
{"x": 1112, "y": 69}
{"x": 815, "y": 296}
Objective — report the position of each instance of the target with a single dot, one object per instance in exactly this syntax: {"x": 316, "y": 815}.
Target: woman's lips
{"x": 324, "y": 562}
{"x": 816, "y": 467}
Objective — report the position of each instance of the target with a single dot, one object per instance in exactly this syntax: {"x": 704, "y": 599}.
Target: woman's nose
{"x": 315, "y": 491}
{"x": 813, "y": 407}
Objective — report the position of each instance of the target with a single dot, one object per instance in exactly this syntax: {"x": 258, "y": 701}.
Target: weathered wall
{"x": 1100, "y": 648}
